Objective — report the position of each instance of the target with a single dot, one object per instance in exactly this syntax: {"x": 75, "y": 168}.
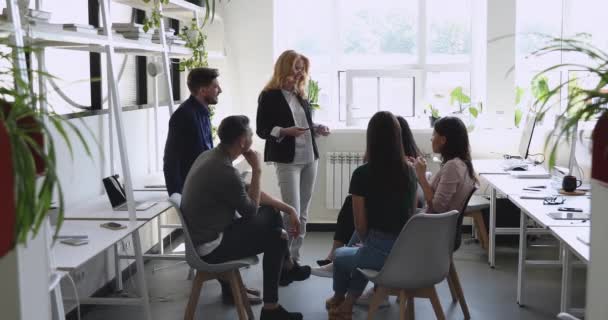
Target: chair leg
{"x": 436, "y": 304}
{"x": 237, "y": 295}
{"x": 483, "y": 230}
{"x": 452, "y": 289}
{"x": 453, "y": 275}
{"x": 377, "y": 298}
{"x": 244, "y": 296}
{"x": 403, "y": 306}
{"x": 195, "y": 293}
{"x": 410, "y": 310}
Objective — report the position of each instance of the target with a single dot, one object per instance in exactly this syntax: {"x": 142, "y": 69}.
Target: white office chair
{"x": 566, "y": 316}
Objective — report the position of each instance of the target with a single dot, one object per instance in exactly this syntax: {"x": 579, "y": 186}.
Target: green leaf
{"x": 474, "y": 112}
{"x": 518, "y": 116}
{"x": 519, "y": 94}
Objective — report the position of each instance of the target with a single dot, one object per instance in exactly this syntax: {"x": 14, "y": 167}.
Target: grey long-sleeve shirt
{"x": 212, "y": 193}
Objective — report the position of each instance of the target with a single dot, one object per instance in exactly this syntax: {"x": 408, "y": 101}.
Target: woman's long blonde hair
{"x": 284, "y": 67}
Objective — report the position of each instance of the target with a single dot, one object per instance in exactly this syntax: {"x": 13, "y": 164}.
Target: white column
{"x": 597, "y": 281}
{"x": 500, "y": 83}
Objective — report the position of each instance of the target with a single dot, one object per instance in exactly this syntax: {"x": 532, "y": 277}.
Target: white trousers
{"x": 296, "y": 182}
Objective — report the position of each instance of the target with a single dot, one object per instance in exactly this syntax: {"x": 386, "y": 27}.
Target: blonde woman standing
{"x": 284, "y": 120}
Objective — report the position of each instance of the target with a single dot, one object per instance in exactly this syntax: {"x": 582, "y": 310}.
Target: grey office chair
{"x": 420, "y": 259}
{"x": 228, "y": 271}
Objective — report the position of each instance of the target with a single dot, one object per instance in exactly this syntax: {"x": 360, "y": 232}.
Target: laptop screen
{"x": 115, "y": 191}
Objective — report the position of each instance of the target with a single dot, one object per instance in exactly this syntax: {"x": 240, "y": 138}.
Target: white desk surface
{"x": 536, "y": 210}
{"x": 99, "y": 208}
{"x": 69, "y": 257}
{"x": 569, "y": 236}
{"x": 514, "y": 186}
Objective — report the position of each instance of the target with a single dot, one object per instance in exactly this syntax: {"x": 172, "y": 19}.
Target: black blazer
{"x": 273, "y": 111}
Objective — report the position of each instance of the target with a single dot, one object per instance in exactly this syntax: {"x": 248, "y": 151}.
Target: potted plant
{"x": 313, "y": 94}
{"x": 581, "y": 104}
{"x": 28, "y": 188}
{"x": 457, "y": 95}
{"x": 434, "y": 114}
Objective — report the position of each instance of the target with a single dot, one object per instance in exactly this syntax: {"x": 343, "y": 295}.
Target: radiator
{"x": 340, "y": 167}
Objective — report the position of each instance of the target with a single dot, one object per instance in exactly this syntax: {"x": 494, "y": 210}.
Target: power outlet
{"x": 126, "y": 246}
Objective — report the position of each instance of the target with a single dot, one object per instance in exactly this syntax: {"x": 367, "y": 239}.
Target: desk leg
{"x": 492, "y": 249}
{"x": 521, "y": 264}
{"x": 141, "y": 275}
{"x": 161, "y": 243}
{"x": 566, "y": 280}
{"x": 117, "y": 272}
{"x": 59, "y": 311}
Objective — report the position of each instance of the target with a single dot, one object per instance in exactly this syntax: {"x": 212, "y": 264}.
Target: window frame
{"x": 335, "y": 65}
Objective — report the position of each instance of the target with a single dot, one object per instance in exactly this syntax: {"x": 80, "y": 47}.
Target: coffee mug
{"x": 570, "y": 183}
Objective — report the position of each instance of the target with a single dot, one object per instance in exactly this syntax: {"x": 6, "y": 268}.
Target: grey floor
{"x": 490, "y": 293}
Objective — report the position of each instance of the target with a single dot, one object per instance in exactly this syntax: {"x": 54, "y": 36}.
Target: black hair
{"x": 389, "y": 170}
{"x": 201, "y": 77}
{"x": 407, "y": 139}
{"x": 456, "y": 143}
{"x": 232, "y": 128}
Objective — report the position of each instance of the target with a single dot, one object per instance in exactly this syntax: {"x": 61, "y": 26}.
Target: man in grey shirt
{"x": 213, "y": 195}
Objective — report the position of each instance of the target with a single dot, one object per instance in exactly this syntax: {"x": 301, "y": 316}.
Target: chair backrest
{"x": 458, "y": 241}
{"x": 192, "y": 257}
{"x": 421, "y": 254}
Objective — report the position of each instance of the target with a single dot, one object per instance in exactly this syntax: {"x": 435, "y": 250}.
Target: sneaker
{"x": 297, "y": 273}
{"x": 326, "y": 271}
{"x": 323, "y": 262}
{"x": 279, "y": 314}
{"x": 366, "y": 298}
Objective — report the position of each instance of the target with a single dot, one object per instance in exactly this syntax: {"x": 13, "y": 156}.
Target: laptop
{"x": 117, "y": 196}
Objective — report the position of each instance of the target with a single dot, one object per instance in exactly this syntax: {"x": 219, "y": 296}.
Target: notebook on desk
{"x": 537, "y": 174}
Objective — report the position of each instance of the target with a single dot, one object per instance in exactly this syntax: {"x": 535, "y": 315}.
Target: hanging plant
{"x": 33, "y": 162}
{"x": 153, "y": 22}
{"x": 195, "y": 40}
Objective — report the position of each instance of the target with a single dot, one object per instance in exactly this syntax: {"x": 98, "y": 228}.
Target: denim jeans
{"x": 371, "y": 255}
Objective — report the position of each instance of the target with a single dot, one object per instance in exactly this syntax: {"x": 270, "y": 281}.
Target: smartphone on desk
{"x": 74, "y": 242}
{"x": 112, "y": 226}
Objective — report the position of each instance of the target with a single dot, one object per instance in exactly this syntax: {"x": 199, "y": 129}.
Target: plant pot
{"x": 599, "y": 169}
{"x": 36, "y": 136}
{"x": 7, "y": 187}
{"x": 432, "y": 120}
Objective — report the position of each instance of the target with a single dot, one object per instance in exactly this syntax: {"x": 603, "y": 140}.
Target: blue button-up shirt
{"x": 189, "y": 135}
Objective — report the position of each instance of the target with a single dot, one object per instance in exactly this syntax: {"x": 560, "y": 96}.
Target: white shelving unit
{"x": 110, "y": 44}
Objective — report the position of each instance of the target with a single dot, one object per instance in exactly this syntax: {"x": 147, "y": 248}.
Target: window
{"x": 398, "y": 56}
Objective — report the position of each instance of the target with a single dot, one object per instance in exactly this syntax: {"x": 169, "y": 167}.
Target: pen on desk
{"x": 528, "y": 189}
{"x": 538, "y": 187}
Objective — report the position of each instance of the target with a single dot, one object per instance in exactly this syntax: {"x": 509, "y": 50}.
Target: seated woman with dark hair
{"x": 451, "y": 186}
{"x": 383, "y": 199}
{"x": 345, "y": 225}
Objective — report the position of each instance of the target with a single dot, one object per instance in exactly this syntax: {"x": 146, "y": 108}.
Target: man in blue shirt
{"x": 190, "y": 134}
{"x": 190, "y": 127}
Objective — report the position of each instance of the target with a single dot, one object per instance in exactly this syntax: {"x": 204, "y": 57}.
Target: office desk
{"x": 67, "y": 257}
{"x": 537, "y": 211}
{"x": 569, "y": 237}
{"x": 495, "y": 166}
{"x": 508, "y": 185}
{"x": 99, "y": 208}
